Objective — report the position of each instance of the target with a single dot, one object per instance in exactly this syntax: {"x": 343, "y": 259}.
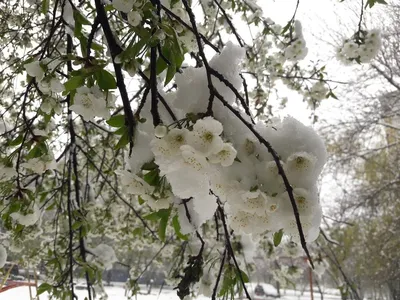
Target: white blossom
{"x": 68, "y": 14}
{"x": 39, "y": 165}
{"x": 300, "y": 168}
{"x": 123, "y": 5}
{"x": 319, "y": 91}
{"x": 156, "y": 204}
{"x": 362, "y": 47}
{"x": 105, "y": 255}
{"x": 140, "y": 152}
{"x": 56, "y": 86}
{"x": 225, "y": 156}
{"x": 205, "y": 136}
{"x": 27, "y": 219}
{"x": 206, "y": 285}
{"x": 34, "y": 70}
{"x": 169, "y": 146}
{"x": 90, "y": 103}
{"x": 6, "y": 173}
{"x": 134, "y": 18}
{"x": 133, "y": 184}
{"x": 50, "y": 103}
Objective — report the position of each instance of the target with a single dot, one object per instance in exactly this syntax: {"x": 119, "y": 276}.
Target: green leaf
{"x": 134, "y": 50}
{"x": 278, "y": 237}
{"x": 331, "y": 94}
{"x": 73, "y": 83}
{"x": 45, "y": 6}
{"x": 105, "y": 80}
{"x": 137, "y": 231}
{"x": 124, "y": 140}
{"x": 177, "y": 228}
{"x": 170, "y": 74}
{"x": 228, "y": 282}
{"x": 82, "y": 41}
{"x": 164, "y": 216}
{"x": 244, "y": 276}
{"x": 149, "y": 166}
{"x": 173, "y": 2}
{"x": 97, "y": 47}
{"x": 140, "y": 200}
{"x": 39, "y": 150}
{"x": 51, "y": 206}
{"x": 80, "y": 18}
{"x": 14, "y": 207}
{"x": 161, "y": 65}
{"x": 120, "y": 131}
{"x": 143, "y": 33}
{"x": 152, "y": 217}
{"x": 152, "y": 177}
{"x": 116, "y": 121}
{"x": 19, "y": 228}
{"x": 254, "y": 188}
{"x": 286, "y": 28}
{"x": 371, "y": 3}
{"x": 44, "y": 287}
{"x": 76, "y": 225}
{"x": 17, "y": 141}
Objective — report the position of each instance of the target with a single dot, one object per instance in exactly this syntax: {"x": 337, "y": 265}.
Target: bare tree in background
{"x": 365, "y": 159}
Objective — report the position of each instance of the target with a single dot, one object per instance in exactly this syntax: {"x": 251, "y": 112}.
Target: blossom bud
{"x": 160, "y": 131}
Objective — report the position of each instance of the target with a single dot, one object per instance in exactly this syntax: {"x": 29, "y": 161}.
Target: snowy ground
{"x": 118, "y": 293}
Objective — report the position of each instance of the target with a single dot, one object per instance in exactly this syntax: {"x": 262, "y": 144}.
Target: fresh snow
{"x": 118, "y": 293}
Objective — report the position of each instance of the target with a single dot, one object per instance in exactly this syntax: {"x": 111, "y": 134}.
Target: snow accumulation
{"x": 118, "y": 293}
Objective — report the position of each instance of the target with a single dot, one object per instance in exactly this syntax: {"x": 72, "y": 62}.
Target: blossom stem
{"x": 203, "y": 58}
{"x": 153, "y": 86}
{"x": 230, "y": 249}
{"x": 275, "y": 156}
{"x": 115, "y": 50}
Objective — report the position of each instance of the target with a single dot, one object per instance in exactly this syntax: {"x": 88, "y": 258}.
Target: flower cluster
{"x": 90, "y": 103}
{"x": 50, "y": 86}
{"x": 362, "y": 47}
{"x": 104, "y": 256}
{"x": 296, "y": 49}
{"x": 202, "y": 162}
{"x": 318, "y": 91}
{"x": 258, "y": 199}
{"x": 278, "y": 52}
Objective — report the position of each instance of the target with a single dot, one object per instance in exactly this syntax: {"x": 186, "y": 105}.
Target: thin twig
{"x": 115, "y": 50}
{"x": 281, "y": 171}
{"x": 176, "y": 17}
{"x": 95, "y": 25}
{"x": 203, "y": 57}
{"x": 230, "y": 249}
{"x": 221, "y": 268}
{"x": 153, "y": 87}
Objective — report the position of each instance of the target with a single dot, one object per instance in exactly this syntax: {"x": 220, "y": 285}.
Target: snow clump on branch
{"x": 199, "y": 162}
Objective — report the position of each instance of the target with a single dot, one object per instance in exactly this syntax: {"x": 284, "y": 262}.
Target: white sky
{"x": 317, "y": 17}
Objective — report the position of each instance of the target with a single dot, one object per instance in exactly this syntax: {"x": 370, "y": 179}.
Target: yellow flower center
{"x": 301, "y": 200}
{"x": 179, "y": 138}
{"x": 208, "y": 136}
{"x": 300, "y": 160}
{"x": 86, "y": 102}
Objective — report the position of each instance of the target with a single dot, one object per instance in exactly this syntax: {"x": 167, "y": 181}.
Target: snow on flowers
{"x": 200, "y": 162}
